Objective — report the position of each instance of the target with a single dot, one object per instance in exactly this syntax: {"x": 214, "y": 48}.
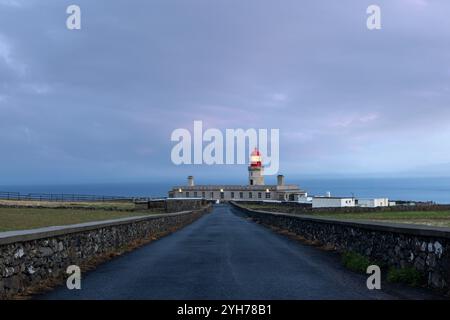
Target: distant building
{"x": 333, "y": 202}
{"x": 305, "y": 199}
{"x": 255, "y": 190}
{"x": 328, "y": 201}
{"x": 373, "y": 203}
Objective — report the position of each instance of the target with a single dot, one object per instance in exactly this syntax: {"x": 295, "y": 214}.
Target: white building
{"x": 305, "y": 199}
{"x": 373, "y": 203}
{"x": 256, "y": 190}
{"x": 333, "y": 202}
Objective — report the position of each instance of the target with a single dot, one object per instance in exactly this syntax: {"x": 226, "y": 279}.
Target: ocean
{"x": 415, "y": 189}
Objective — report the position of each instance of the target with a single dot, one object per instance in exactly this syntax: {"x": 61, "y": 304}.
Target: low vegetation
{"x": 118, "y": 205}
{"x": 407, "y": 275}
{"x": 428, "y": 218}
{"x": 30, "y": 218}
{"x": 356, "y": 262}
{"x": 359, "y": 263}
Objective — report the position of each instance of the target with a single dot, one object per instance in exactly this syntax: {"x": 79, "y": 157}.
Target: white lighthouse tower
{"x": 256, "y": 169}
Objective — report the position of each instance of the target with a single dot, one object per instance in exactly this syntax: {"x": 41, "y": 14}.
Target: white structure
{"x": 305, "y": 199}
{"x": 373, "y": 203}
{"x": 333, "y": 202}
{"x": 256, "y": 170}
{"x": 256, "y": 190}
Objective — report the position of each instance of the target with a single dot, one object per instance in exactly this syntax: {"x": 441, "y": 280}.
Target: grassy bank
{"x": 359, "y": 263}
{"x": 66, "y": 204}
{"x": 429, "y": 218}
{"x": 30, "y": 218}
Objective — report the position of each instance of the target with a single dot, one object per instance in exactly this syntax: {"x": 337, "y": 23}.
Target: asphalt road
{"x": 223, "y": 256}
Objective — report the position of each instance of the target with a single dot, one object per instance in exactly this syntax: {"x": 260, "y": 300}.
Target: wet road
{"x": 223, "y": 256}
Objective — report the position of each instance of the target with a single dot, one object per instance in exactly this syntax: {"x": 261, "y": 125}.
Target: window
{"x": 267, "y": 195}
{"x": 259, "y": 195}
{"x": 250, "y": 195}
{"x": 203, "y": 194}
{"x": 212, "y": 195}
{"x": 187, "y": 194}
{"x": 195, "y": 194}
{"x": 222, "y": 195}
{"x": 232, "y": 195}
{"x": 241, "y": 195}
{"x": 251, "y": 182}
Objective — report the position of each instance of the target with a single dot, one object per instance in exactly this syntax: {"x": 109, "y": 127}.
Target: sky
{"x": 99, "y": 104}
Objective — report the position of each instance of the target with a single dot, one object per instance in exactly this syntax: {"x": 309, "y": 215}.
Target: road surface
{"x": 224, "y": 256}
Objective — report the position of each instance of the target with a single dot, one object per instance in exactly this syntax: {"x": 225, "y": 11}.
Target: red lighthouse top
{"x": 255, "y": 158}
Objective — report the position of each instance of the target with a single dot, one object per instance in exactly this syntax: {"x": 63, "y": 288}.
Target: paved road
{"x": 223, "y": 256}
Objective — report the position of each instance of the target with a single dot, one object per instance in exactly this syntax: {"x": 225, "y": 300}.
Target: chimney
{"x": 190, "y": 181}
{"x": 280, "y": 180}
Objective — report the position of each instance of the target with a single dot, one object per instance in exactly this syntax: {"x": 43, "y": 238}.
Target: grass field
{"x": 56, "y": 204}
{"x": 30, "y": 218}
{"x": 429, "y": 218}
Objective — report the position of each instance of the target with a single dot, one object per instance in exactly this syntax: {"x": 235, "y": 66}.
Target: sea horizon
{"x": 436, "y": 189}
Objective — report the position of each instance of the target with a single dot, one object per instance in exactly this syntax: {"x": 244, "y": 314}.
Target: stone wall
{"x": 33, "y": 258}
{"x": 171, "y": 205}
{"x": 427, "y": 249}
{"x": 174, "y": 205}
{"x": 302, "y": 208}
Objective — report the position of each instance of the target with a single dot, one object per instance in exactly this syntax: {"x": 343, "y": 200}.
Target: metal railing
{"x": 61, "y": 197}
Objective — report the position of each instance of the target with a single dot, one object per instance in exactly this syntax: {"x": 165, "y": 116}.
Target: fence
{"x": 62, "y": 197}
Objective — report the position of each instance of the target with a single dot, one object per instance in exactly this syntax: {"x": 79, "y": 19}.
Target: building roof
{"x": 335, "y": 198}
{"x": 325, "y": 197}
{"x": 289, "y": 188}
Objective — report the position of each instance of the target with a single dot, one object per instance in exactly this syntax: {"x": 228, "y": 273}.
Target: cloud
{"x": 37, "y": 88}
{"x": 11, "y": 3}
{"x": 101, "y": 102}
{"x": 419, "y": 3}
{"x": 279, "y": 97}
{"x": 7, "y": 57}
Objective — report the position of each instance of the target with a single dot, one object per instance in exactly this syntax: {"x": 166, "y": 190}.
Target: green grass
{"x": 30, "y": 218}
{"x": 123, "y": 205}
{"x": 408, "y": 275}
{"x": 359, "y": 263}
{"x": 430, "y": 218}
{"x": 391, "y": 215}
{"x": 356, "y": 262}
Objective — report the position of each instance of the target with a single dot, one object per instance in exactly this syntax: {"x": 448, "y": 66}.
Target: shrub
{"x": 356, "y": 262}
{"x": 407, "y": 275}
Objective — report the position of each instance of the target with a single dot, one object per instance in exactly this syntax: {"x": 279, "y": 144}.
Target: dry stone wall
{"x": 30, "y": 258}
{"x": 427, "y": 249}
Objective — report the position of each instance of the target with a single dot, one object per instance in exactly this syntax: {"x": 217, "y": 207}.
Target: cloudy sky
{"x": 99, "y": 104}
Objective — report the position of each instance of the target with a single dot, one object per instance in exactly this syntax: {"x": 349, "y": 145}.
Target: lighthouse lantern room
{"x": 256, "y": 169}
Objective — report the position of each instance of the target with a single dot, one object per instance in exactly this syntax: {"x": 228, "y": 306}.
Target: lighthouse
{"x": 256, "y": 169}
{"x": 256, "y": 190}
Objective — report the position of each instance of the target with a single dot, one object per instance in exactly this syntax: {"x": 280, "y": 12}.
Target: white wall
{"x": 326, "y": 202}
{"x": 372, "y": 203}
